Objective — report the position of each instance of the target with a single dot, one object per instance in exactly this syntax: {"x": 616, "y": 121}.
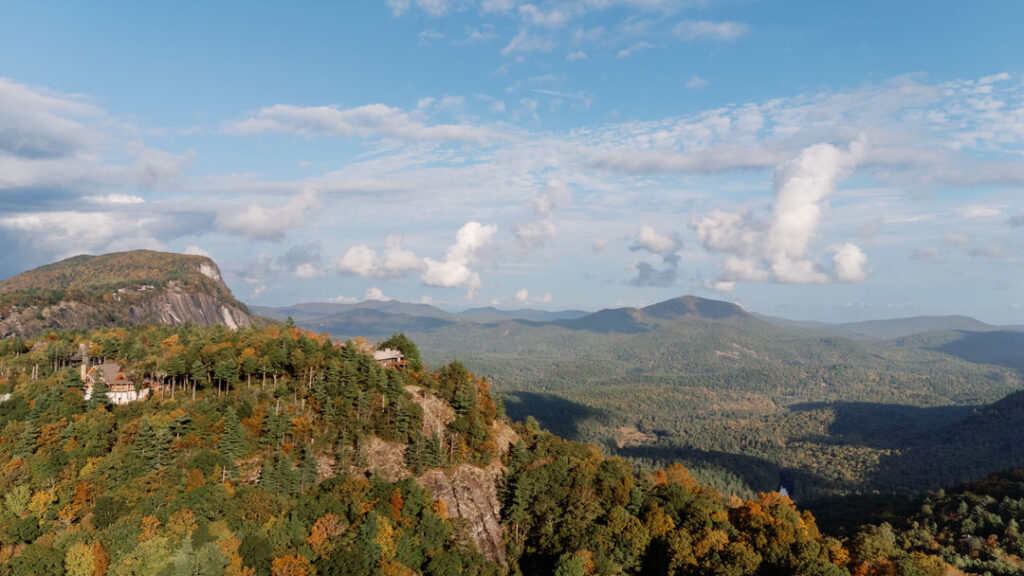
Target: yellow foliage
{"x": 148, "y": 527}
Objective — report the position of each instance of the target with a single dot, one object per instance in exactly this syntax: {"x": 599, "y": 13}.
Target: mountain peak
{"x": 694, "y": 307}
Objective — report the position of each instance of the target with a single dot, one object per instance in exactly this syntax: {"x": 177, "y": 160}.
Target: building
{"x": 391, "y": 358}
{"x": 121, "y": 388}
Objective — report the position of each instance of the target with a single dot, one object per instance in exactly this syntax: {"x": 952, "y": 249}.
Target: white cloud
{"x": 779, "y": 249}
{"x": 269, "y": 222}
{"x": 849, "y": 262}
{"x": 576, "y": 55}
{"x": 455, "y": 270}
{"x": 649, "y": 240}
{"x": 369, "y": 121}
{"x": 196, "y": 251}
{"x": 308, "y": 270}
{"x": 114, "y": 199}
{"x": 393, "y": 263}
{"x": 692, "y": 30}
{"x": 66, "y": 233}
{"x": 522, "y": 296}
{"x": 376, "y": 294}
{"x": 341, "y": 299}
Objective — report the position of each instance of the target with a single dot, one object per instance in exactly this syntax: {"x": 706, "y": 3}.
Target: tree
{"x": 292, "y": 565}
{"x": 408, "y": 348}
{"x": 99, "y": 395}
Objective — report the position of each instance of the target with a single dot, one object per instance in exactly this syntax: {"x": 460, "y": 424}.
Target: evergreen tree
{"x": 99, "y": 395}
{"x": 233, "y": 444}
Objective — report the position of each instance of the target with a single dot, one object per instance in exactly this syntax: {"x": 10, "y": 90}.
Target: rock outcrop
{"x": 471, "y": 493}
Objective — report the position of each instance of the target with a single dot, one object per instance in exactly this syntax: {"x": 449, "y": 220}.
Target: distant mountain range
{"x": 379, "y": 319}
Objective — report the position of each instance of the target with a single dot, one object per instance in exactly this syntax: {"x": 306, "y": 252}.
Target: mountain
{"x": 902, "y": 327}
{"x": 124, "y": 288}
{"x": 491, "y": 314}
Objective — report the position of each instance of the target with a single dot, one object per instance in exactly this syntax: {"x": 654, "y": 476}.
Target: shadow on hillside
{"x": 554, "y": 413}
{"x": 755, "y": 473}
{"x": 882, "y": 426}
{"x": 997, "y": 348}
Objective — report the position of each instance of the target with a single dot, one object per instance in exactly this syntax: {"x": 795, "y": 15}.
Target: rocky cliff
{"x": 139, "y": 287}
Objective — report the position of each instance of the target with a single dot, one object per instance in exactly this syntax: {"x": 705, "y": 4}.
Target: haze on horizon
{"x": 803, "y": 159}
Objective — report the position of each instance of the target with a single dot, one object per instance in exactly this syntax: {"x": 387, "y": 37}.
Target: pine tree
{"x": 27, "y": 443}
{"x": 99, "y": 395}
{"x": 233, "y": 444}
{"x": 309, "y": 470}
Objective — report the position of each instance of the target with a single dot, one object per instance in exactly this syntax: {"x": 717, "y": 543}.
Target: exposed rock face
{"x": 171, "y": 307}
{"x": 471, "y": 493}
{"x": 468, "y": 491}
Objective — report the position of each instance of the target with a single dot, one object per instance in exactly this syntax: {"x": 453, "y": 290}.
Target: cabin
{"x": 391, "y": 358}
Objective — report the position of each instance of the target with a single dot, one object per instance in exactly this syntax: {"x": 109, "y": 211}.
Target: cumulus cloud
{"x": 522, "y": 296}
{"x": 376, "y": 294}
{"x": 342, "y": 299}
{"x": 779, "y": 248}
{"x": 849, "y": 262}
{"x": 369, "y": 121}
{"x": 649, "y": 240}
{"x": 532, "y": 235}
{"x": 393, "y": 263}
{"x": 269, "y": 222}
{"x": 455, "y": 270}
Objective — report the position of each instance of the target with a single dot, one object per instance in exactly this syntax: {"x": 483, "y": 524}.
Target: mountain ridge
{"x": 135, "y": 287}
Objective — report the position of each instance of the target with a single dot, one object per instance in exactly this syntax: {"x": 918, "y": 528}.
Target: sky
{"x": 811, "y": 160}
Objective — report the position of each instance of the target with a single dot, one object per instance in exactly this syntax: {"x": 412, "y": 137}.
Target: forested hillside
{"x": 747, "y": 404}
{"x": 276, "y": 451}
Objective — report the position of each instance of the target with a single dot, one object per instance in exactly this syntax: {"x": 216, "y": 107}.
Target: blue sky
{"x": 833, "y": 161}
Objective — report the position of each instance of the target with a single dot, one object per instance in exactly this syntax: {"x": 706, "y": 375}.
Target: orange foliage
{"x": 194, "y": 480}
{"x": 325, "y": 528}
{"x": 148, "y": 528}
{"x": 396, "y": 504}
{"x": 100, "y": 560}
{"x": 290, "y": 566}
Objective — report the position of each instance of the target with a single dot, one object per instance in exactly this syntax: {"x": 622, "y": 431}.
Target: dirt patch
{"x": 629, "y": 436}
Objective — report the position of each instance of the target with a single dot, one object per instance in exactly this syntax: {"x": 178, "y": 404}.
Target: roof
{"x": 387, "y": 354}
